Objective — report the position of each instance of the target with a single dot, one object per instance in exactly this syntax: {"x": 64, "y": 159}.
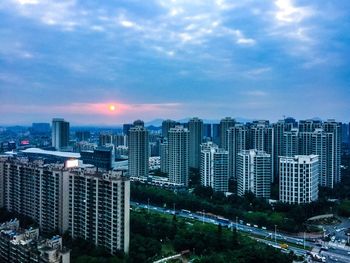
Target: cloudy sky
{"x": 173, "y": 59}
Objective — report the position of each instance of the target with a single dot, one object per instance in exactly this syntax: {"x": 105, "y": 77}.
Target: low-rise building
{"x": 25, "y": 245}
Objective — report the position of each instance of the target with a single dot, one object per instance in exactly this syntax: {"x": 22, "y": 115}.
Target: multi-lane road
{"x": 270, "y": 237}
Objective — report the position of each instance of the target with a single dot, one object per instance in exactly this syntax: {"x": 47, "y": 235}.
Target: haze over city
{"x": 173, "y": 59}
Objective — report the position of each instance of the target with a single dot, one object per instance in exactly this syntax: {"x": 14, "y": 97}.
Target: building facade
{"x": 195, "y": 127}
{"x": 37, "y": 191}
{"x": 178, "y": 151}
{"x": 138, "y": 141}
{"x": 88, "y": 204}
{"x": 236, "y": 138}
{"x": 214, "y": 167}
{"x": 299, "y": 179}
{"x": 166, "y": 126}
{"x": 225, "y": 124}
{"x": 99, "y": 209}
{"x": 60, "y": 133}
{"x": 254, "y": 173}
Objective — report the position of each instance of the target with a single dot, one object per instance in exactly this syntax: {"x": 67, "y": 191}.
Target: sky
{"x": 109, "y": 62}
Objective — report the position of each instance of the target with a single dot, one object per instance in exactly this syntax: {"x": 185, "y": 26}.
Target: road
{"x": 333, "y": 254}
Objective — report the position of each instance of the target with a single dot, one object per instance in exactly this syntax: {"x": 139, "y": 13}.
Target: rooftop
{"x": 54, "y": 153}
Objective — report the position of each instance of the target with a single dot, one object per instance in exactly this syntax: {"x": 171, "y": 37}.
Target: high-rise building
{"x": 261, "y": 138}
{"x": 225, "y": 124}
{"x": 166, "y": 126}
{"x": 178, "y": 151}
{"x": 99, "y": 209}
{"x": 38, "y": 191}
{"x": 299, "y": 179}
{"x": 325, "y": 144}
{"x": 195, "y": 126}
{"x": 164, "y": 156}
{"x": 102, "y": 157}
{"x": 236, "y": 142}
{"x": 140, "y": 123}
{"x": 280, "y": 128}
{"x": 138, "y": 151}
{"x": 345, "y": 133}
{"x": 120, "y": 140}
{"x": 331, "y": 126}
{"x": 60, "y": 133}
{"x": 254, "y": 173}
{"x": 82, "y": 135}
{"x": 305, "y": 143}
{"x": 291, "y": 142}
{"x": 322, "y": 145}
{"x": 214, "y": 167}
{"x": 309, "y": 125}
{"x": 105, "y": 138}
{"x": 64, "y": 197}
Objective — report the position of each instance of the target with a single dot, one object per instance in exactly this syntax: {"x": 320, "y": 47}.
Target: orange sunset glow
{"x": 111, "y": 107}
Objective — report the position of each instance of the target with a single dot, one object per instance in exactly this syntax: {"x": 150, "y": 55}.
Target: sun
{"x": 111, "y": 107}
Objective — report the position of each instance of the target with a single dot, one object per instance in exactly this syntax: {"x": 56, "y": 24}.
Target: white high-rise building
{"x": 178, "y": 151}
{"x": 254, "y": 173}
{"x": 236, "y": 138}
{"x": 195, "y": 127}
{"x": 138, "y": 142}
{"x": 299, "y": 179}
{"x": 60, "y": 133}
{"x": 214, "y": 167}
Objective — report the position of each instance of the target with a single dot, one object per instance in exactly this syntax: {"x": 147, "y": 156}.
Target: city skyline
{"x": 103, "y": 63}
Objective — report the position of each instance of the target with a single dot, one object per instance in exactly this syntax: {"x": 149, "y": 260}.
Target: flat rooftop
{"x": 54, "y": 153}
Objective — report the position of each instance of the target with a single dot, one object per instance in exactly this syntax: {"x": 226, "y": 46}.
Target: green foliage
{"x": 289, "y": 218}
{"x": 344, "y": 208}
{"x": 208, "y": 242}
{"x": 84, "y": 251}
